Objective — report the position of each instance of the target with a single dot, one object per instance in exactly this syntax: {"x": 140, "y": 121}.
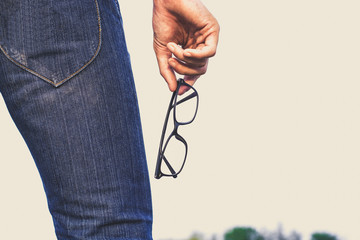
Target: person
{"x": 66, "y": 79}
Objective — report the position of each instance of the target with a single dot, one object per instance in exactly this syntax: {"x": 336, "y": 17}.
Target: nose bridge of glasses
{"x": 181, "y": 139}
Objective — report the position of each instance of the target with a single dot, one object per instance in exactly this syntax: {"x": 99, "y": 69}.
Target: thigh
{"x": 73, "y": 100}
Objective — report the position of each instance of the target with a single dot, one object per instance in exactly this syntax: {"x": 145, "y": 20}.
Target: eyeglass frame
{"x": 174, "y": 132}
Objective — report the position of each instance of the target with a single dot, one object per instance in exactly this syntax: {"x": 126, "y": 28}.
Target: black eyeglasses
{"x": 174, "y": 150}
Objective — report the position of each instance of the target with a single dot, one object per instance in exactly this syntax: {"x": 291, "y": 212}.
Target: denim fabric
{"x": 66, "y": 78}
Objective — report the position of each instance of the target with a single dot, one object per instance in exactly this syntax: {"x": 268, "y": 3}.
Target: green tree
{"x": 243, "y": 233}
{"x": 323, "y": 236}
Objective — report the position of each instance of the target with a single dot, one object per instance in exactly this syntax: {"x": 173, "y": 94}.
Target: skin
{"x": 185, "y": 37}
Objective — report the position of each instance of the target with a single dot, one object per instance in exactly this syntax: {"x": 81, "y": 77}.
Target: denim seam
{"x": 73, "y": 74}
{"x": 118, "y": 8}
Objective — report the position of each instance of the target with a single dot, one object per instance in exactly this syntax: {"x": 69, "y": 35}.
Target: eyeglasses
{"x": 172, "y": 152}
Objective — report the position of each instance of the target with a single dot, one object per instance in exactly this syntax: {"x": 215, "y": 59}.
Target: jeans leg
{"x": 86, "y": 139}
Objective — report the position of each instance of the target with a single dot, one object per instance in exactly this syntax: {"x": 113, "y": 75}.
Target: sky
{"x": 276, "y": 139}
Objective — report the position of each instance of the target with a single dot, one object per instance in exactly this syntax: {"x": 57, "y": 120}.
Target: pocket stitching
{"x": 71, "y": 75}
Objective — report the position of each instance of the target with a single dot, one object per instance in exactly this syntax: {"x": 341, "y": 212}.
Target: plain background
{"x": 276, "y": 139}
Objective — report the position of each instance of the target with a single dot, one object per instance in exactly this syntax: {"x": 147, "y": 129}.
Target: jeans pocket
{"x": 52, "y": 39}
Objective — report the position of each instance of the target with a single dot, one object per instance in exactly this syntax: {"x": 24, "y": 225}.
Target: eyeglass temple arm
{"x": 185, "y": 99}
{"x": 168, "y": 165}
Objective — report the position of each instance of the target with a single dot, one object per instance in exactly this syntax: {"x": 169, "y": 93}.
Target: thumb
{"x": 162, "y": 56}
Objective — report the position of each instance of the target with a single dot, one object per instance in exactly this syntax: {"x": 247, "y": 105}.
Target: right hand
{"x": 189, "y": 24}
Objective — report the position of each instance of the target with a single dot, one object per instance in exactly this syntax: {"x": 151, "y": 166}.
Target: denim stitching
{"x": 118, "y": 7}
{"x": 73, "y": 74}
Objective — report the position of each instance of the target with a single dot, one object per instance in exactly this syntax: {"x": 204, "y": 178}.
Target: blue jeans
{"x": 66, "y": 78}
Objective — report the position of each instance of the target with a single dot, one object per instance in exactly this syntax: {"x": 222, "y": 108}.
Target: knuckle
{"x": 203, "y": 70}
{"x": 213, "y": 53}
{"x": 217, "y": 27}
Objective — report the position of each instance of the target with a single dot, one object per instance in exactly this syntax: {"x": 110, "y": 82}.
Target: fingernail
{"x": 187, "y": 54}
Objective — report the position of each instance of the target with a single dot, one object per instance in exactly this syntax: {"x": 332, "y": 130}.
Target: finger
{"x": 184, "y": 69}
{"x": 206, "y": 51}
{"x": 189, "y": 80}
{"x": 165, "y": 69}
{"x": 179, "y": 53}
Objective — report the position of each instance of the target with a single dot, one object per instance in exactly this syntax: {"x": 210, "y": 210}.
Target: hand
{"x": 187, "y": 30}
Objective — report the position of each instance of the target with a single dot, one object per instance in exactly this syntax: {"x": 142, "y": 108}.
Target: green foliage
{"x": 323, "y": 236}
{"x": 249, "y": 233}
{"x": 243, "y": 233}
